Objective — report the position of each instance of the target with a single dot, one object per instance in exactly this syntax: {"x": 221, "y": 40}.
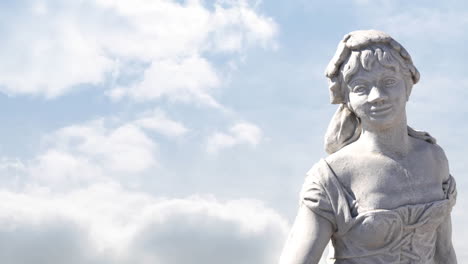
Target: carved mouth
{"x": 380, "y": 110}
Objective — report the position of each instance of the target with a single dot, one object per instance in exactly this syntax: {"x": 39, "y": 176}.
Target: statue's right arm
{"x": 308, "y": 238}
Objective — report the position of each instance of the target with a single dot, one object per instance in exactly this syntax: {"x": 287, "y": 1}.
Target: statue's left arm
{"x": 445, "y": 253}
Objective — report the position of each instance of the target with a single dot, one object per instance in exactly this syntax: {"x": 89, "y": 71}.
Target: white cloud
{"x": 240, "y": 133}
{"x": 48, "y": 56}
{"x": 157, "y": 121}
{"x": 121, "y": 148}
{"x": 239, "y": 26}
{"x": 96, "y": 150}
{"x": 67, "y": 44}
{"x": 106, "y": 224}
{"x": 63, "y": 168}
{"x": 190, "y": 79}
{"x": 98, "y": 220}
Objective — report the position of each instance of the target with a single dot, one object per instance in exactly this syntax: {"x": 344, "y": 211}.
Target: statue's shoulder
{"x": 433, "y": 154}
{"x": 438, "y": 153}
{"x": 346, "y": 162}
{"x": 420, "y": 145}
{"x": 324, "y": 170}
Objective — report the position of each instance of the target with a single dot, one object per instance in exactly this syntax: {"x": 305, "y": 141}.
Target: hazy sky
{"x": 164, "y": 131}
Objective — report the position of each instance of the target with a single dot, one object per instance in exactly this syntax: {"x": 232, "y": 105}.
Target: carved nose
{"x": 376, "y": 95}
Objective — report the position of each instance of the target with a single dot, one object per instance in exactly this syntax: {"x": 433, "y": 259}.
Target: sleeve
{"x": 444, "y": 250}
{"x": 315, "y": 197}
{"x": 450, "y": 189}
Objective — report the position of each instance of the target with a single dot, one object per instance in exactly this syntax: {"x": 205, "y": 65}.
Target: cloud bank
{"x": 106, "y": 224}
{"x": 141, "y": 50}
{"x": 70, "y": 203}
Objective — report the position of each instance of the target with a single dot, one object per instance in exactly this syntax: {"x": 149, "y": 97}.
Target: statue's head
{"x": 361, "y": 50}
{"x": 371, "y": 76}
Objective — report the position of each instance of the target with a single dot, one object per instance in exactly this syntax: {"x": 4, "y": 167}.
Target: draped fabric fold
{"x": 344, "y": 128}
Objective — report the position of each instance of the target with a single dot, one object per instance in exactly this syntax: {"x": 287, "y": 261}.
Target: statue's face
{"x": 378, "y": 97}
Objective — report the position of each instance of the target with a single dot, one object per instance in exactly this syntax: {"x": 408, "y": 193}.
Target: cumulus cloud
{"x": 90, "y": 151}
{"x": 69, "y": 202}
{"x": 47, "y": 52}
{"x": 98, "y": 221}
{"x": 106, "y": 224}
{"x": 96, "y": 150}
{"x": 189, "y": 79}
{"x": 240, "y": 133}
{"x": 158, "y": 122}
{"x": 66, "y": 44}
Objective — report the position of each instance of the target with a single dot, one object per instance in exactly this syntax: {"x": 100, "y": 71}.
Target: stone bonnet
{"x": 355, "y": 41}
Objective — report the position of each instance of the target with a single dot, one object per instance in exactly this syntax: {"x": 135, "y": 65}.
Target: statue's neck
{"x": 392, "y": 140}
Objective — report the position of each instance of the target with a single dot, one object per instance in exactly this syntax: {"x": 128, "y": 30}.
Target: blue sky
{"x": 159, "y": 131}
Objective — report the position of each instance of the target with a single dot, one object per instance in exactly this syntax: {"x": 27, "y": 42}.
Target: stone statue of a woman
{"x": 384, "y": 194}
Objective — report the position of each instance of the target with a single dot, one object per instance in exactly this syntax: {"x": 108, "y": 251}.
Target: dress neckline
{"x": 449, "y": 198}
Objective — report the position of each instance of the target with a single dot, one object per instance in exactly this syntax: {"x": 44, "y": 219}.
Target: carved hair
{"x": 362, "y": 49}
{"x": 366, "y": 58}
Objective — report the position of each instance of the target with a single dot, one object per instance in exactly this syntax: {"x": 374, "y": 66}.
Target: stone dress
{"x": 406, "y": 234}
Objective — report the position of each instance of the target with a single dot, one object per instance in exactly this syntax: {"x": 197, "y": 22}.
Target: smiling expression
{"x": 378, "y": 97}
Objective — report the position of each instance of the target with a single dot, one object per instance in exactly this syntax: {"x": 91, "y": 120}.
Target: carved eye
{"x": 359, "y": 89}
{"x": 389, "y": 82}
